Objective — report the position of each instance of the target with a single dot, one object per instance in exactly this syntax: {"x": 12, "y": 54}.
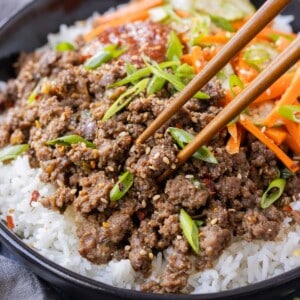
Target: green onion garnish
{"x": 155, "y": 85}
{"x": 121, "y": 187}
{"x": 222, "y": 23}
{"x": 141, "y": 73}
{"x": 286, "y": 173}
{"x": 105, "y": 55}
{"x": 190, "y": 230}
{"x": 70, "y": 140}
{"x": 234, "y": 80}
{"x": 125, "y": 98}
{"x": 178, "y": 85}
{"x": 182, "y": 138}
{"x": 185, "y": 73}
{"x": 174, "y": 50}
{"x": 273, "y": 192}
{"x": 259, "y": 55}
{"x": 290, "y": 112}
{"x": 13, "y": 152}
{"x": 64, "y": 46}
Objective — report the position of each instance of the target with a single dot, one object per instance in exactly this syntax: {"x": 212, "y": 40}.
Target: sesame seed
{"x": 110, "y": 168}
{"x": 189, "y": 176}
{"x": 148, "y": 149}
{"x": 173, "y": 166}
{"x": 156, "y": 197}
{"x": 239, "y": 176}
{"x": 152, "y": 168}
{"x": 166, "y": 160}
{"x": 156, "y": 155}
{"x": 194, "y": 120}
{"x": 103, "y": 200}
{"x": 127, "y": 248}
{"x": 143, "y": 252}
{"x": 93, "y": 164}
{"x": 105, "y": 224}
{"x": 151, "y": 256}
{"x": 214, "y": 221}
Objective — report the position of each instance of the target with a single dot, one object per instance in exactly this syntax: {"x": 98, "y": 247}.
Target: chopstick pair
{"x": 282, "y": 63}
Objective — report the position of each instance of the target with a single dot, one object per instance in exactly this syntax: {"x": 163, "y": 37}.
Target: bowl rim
{"x": 11, "y": 240}
{"x": 28, "y": 254}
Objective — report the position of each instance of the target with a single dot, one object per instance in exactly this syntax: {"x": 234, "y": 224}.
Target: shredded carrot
{"x": 268, "y": 31}
{"x": 234, "y": 142}
{"x": 142, "y": 15}
{"x": 293, "y": 145}
{"x": 293, "y": 129}
{"x": 187, "y": 58}
{"x": 129, "y": 10}
{"x": 10, "y": 222}
{"x": 289, "y": 97}
{"x": 276, "y": 89}
{"x": 220, "y": 38}
{"x": 289, "y": 163}
{"x": 282, "y": 43}
{"x": 278, "y": 135}
{"x": 182, "y": 13}
{"x": 245, "y": 72}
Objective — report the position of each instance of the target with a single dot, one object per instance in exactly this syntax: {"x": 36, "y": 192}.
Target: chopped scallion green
{"x": 64, "y": 46}
{"x": 125, "y": 98}
{"x": 190, "y": 230}
{"x": 182, "y": 138}
{"x": 10, "y": 153}
{"x": 103, "y": 56}
{"x": 290, "y": 112}
{"x": 174, "y": 50}
{"x": 69, "y": 140}
{"x": 155, "y": 85}
{"x": 222, "y": 23}
{"x": 121, "y": 187}
{"x": 273, "y": 192}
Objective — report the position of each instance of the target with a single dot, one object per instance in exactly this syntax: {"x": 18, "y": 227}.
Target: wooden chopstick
{"x": 279, "y": 66}
{"x": 258, "y": 21}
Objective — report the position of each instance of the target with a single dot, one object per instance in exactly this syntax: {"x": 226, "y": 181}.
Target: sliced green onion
{"x": 275, "y": 37}
{"x": 190, "y": 230}
{"x": 69, "y": 140}
{"x": 273, "y": 192}
{"x": 182, "y": 138}
{"x": 105, "y": 55}
{"x": 185, "y": 73}
{"x": 178, "y": 85}
{"x": 200, "y": 27}
{"x": 125, "y": 98}
{"x": 32, "y": 97}
{"x": 290, "y": 112}
{"x": 141, "y": 73}
{"x": 13, "y": 152}
{"x": 234, "y": 80}
{"x": 64, "y": 46}
{"x": 222, "y": 23}
{"x": 130, "y": 68}
{"x": 286, "y": 173}
{"x": 121, "y": 187}
{"x": 155, "y": 85}
{"x": 174, "y": 50}
{"x": 199, "y": 223}
{"x": 259, "y": 55}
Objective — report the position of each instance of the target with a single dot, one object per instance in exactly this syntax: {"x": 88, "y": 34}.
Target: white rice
{"x": 54, "y": 236}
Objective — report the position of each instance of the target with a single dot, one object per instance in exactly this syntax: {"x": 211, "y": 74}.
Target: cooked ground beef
{"x": 145, "y": 221}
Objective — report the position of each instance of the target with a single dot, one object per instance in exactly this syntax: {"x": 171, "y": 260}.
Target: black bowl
{"x": 27, "y": 30}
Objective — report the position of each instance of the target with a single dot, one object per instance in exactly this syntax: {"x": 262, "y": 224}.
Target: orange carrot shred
{"x": 129, "y": 10}
{"x": 182, "y": 13}
{"x": 293, "y": 145}
{"x": 234, "y": 142}
{"x": 278, "y": 135}
{"x": 276, "y": 89}
{"x": 288, "y": 162}
{"x": 289, "y": 97}
{"x": 142, "y": 15}
{"x": 10, "y": 222}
